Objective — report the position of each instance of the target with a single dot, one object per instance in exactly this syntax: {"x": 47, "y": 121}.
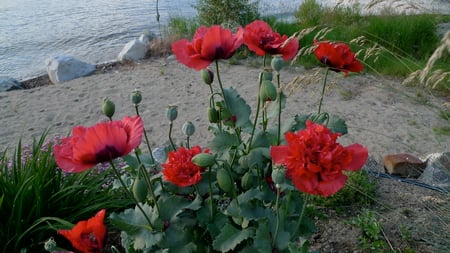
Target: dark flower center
{"x": 107, "y": 154}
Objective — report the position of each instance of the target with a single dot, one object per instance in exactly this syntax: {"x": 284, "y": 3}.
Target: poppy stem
{"x": 220, "y": 82}
{"x": 257, "y": 113}
{"x": 146, "y": 139}
{"x": 300, "y": 217}
{"x": 280, "y": 93}
{"x": 323, "y": 89}
{"x": 147, "y": 180}
{"x": 277, "y": 210}
{"x": 211, "y": 208}
{"x": 116, "y": 172}
{"x": 170, "y": 136}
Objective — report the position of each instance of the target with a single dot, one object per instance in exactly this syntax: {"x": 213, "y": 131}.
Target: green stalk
{"x": 279, "y": 108}
{"x": 130, "y": 194}
{"x": 257, "y": 113}
{"x": 147, "y": 180}
{"x": 300, "y": 218}
{"x": 170, "y": 135}
{"x": 146, "y": 138}
{"x": 277, "y": 210}
{"x": 323, "y": 89}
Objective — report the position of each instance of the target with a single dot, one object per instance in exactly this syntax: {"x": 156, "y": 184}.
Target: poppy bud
{"x": 279, "y": 175}
{"x": 203, "y": 160}
{"x": 224, "y": 180}
{"x": 247, "y": 180}
{"x": 136, "y": 97}
{"x": 108, "y": 107}
{"x": 140, "y": 189}
{"x": 277, "y": 63}
{"x": 172, "y": 112}
{"x": 188, "y": 128}
{"x": 207, "y": 76}
{"x": 267, "y": 75}
{"x": 213, "y": 115}
{"x": 268, "y": 91}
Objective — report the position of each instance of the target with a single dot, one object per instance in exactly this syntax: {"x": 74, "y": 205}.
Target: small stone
{"x": 404, "y": 165}
{"x": 9, "y": 83}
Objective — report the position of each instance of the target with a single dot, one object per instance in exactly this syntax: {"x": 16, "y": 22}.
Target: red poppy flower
{"x": 208, "y": 44}
{"x": 97, "y": 144}
{"x": 338, "y": 56}
{"x": 315, "y": 161}
{"x": 179, "y": 170}
{"x": 88, "y": 236}
{"x": 260, "y": 38}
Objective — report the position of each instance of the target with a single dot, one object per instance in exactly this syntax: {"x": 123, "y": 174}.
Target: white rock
{"x": 133, "y": 51}
{"x": 65, "y": 68}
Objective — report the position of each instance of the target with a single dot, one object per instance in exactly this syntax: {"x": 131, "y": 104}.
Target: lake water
{"x": 90, "y": 30}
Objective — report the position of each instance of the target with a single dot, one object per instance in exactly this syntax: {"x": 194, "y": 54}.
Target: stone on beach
{"x": 65, "y": 68}
{"x": 134, "y": 50}
{"x": 8, "y": 83}
{"x": 404, "y": 165}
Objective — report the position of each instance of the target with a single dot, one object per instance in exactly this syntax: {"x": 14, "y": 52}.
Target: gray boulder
{"x": 65, "y": 68}
{"x": 8, "y": 83}
{"x": 134, "y": 50}
{"x": 437, "y": 172}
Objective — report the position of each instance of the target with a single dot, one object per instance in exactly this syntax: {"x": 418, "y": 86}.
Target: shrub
{"x": 241, "y": 12}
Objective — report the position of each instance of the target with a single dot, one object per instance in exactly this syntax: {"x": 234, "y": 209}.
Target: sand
{"x": 382, "y": 114}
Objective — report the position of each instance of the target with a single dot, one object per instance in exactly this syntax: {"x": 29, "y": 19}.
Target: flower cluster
{"x": 246, "y": 191}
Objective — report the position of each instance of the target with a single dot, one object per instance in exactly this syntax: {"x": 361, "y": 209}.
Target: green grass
{"x": 36, "y": 197}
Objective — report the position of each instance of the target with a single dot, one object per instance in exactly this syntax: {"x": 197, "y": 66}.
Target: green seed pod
{"x": 207, "y": 76}
{"x": 224, "y": 180}
{"x": 203, "y": 160}
{"x": 277, "y": 63}
{"x": 172, "y": 112}
{"x": 213, "y": 115}
{"x": 267, "y": 75}
{"x": 279, "y": 175}
{"x": 247, "y": 180}
{"x": 136, "y": 97}
{"x": 140, "y": 189}
{"x": 268, "y": 91}
{"x": 108, "y": 107}
{"x": 188, "y": 128}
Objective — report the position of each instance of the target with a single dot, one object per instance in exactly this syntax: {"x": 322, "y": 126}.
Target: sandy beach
{"x": 381, "y": 113}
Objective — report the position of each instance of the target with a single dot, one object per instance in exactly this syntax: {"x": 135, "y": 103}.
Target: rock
{"x": 437, "y": 171}
{"x": 146, "y": 37}
{"x": 404, "y": 165}
{"x": 133, "y": 50}
{"x": 65, "y": 68}
{"x": 8, "y": 83}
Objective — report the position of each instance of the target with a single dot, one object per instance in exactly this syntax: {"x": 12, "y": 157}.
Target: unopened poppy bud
{"x": 140, "y": 189}
{"x": 136, "y": 97}
{"x": 268, "y": 91}
{"x": 172, "y": 112}
{"x": 279, "y": 175}
{"x": 207, "y": 76}
{"x": 277, "y": 63}
{"x": 224, "y": 180}
{"x": 213, "y": 115}
{"x": 203, "y": 160}
{"x": 267, "y": 75}
{"x": 108, "y": 107}
{"x": 247, "y": 180}
{"x": 50, "y": 245}
{"x": 188, "y": 128}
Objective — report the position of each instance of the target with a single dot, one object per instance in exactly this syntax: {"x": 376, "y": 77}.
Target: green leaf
{"x": 223, "y": 141}
{"x": 262, "y": 240}
{"x": 131, "y": 222}
{"x": 230, "y": 237}
{"x": 258, "y": 157}
{"x": 239, "y": 108}
{"x": 334, "y": 123}
{"x": 171, "y": 206}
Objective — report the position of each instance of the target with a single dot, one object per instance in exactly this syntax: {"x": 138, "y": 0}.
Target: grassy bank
{"x": 392, "y": 44}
